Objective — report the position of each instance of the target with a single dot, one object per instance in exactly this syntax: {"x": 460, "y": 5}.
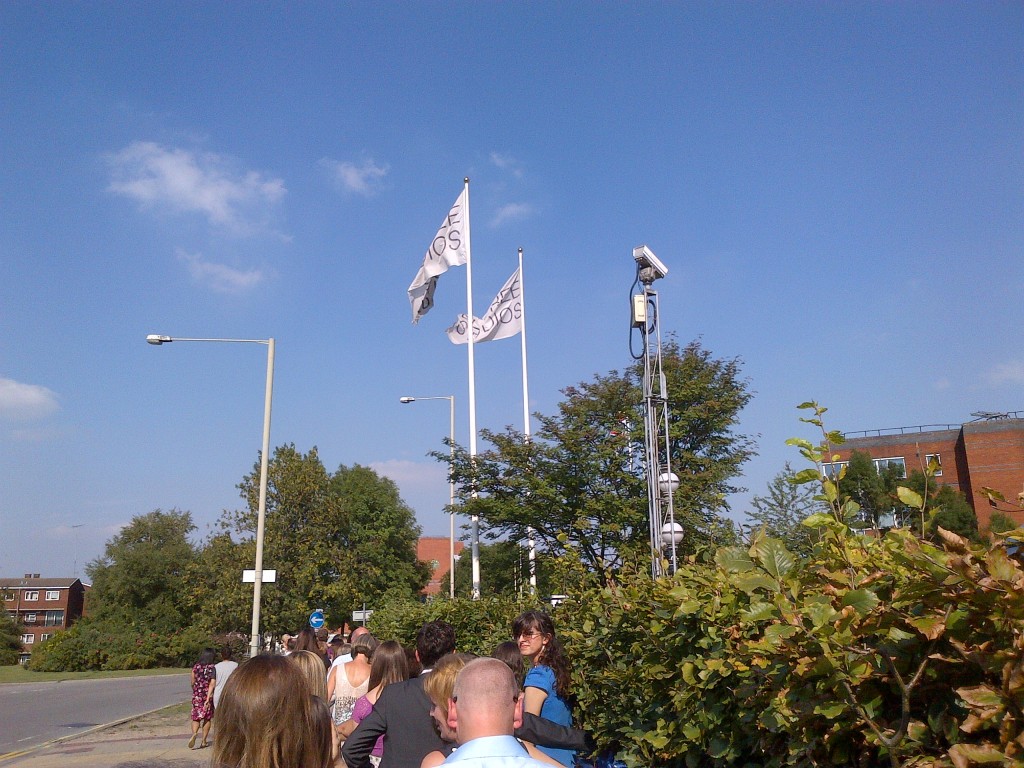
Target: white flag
{"x": 504, "y": 317}
{"x": 449, "y": 248}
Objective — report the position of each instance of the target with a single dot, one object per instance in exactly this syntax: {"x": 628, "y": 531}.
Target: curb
{"x": 80, "y": 734}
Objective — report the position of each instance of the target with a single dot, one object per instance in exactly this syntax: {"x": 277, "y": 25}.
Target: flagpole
{"x": 475, "y": 519}
{"x": 526, "y": 417}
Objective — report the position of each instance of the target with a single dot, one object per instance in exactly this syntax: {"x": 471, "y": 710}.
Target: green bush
{"x": 90, "y": 645}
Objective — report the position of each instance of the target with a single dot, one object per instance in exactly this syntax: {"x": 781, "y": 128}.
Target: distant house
{"x": 435, "y": 551}
{"x": 987, "y": 453}
{"x": 42, "y": 606}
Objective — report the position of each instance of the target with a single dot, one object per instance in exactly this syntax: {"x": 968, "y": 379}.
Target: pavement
{"x": 155, "y": 740}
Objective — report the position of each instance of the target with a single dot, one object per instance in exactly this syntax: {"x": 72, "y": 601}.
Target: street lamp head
{"x": 668, "y": 482}
{"x": 158, "y": 340}
{"x": 671, "y": 533}
{"x": 407, "y": 399}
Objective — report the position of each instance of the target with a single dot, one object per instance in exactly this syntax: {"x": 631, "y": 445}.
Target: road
{"x": 34, "y": 713}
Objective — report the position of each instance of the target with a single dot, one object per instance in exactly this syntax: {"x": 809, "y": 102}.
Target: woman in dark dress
{"x": 204, "y": 678}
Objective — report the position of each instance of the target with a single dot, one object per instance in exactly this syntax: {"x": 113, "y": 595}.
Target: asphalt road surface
{"x": 35, "y": 713}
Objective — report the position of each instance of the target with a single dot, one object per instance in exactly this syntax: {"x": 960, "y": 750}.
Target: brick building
{"x": 971, "y": 456}
{"x": 42, "y": 606}
{"x": 436, "y": 551}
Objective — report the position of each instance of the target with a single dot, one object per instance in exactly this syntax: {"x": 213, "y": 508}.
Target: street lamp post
{"x": 451, "y": 486}
{"x": 261, "y": 515}
{"x": 671, "y": 532}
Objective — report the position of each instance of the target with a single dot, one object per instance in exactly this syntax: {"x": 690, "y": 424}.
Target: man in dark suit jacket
{"x": 402, "y": 716}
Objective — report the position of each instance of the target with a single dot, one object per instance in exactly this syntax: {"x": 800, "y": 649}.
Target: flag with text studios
{"x": 449, "y": 248}
{"x": 503, "y": 318}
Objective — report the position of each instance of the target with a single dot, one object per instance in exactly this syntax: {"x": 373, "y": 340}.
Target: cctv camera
{"x": 648, "y": 263}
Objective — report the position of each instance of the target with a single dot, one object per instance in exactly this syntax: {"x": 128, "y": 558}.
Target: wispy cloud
{"x": 190, "y": 182}
{"x": 220, "y": 277}
{"x": 25, "y": 402}
{"x": 1011, "y": 372}
{"x": 511, "y": 212}
{"x": 507, "y": 163}
{"x": 363, "y": 179}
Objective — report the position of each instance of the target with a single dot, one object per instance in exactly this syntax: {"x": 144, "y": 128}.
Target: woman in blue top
{"x": 547, "y": 682}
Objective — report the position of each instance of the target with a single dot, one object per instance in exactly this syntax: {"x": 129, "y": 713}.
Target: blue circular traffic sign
{"x": 316, "y": 619}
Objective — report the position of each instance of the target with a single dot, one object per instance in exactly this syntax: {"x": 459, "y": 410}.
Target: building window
{"x": 832, "y": 469}
{"x": 53, "y": 594}
{"x": 33, "y": 595}
{"x": 30, "y": 618}
{"x": 893, "y": 461}
{"x": 53, "y": 619}
{"x": 45, "y": 636}
{"x": 8, "y": 595}
{"x": 27, "y": 639}
{"x": 938, "y": 461}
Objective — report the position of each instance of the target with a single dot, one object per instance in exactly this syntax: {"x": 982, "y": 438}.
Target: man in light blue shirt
{"x": 485, "y": 708}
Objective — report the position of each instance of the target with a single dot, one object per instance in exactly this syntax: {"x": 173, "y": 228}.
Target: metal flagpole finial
{"x": 466, "y": 180}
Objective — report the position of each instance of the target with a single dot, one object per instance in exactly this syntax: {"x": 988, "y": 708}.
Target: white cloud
{"x": 1007, "y": 373}
{"x": 203, "y": 183}
{"x": 413, "y": 475}
{"x": 511, "y": 212}
{"x": 507, "y": 163}
{"x": 25, "y": 402}
{"x": 220, "y": 277}
{"x": 364, "y": 179}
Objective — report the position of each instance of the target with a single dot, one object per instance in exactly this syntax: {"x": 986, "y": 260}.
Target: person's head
{"x": 267, "y": 718}
{"x": 208, "y": 656}
{"x": 226, "y": 654}
{"x": 312, "y": 668}
{"x": 415, "y": 668}
{"x": 508, "y": 652}
{"x": 364, "y": 646}
{"x": 485, "y": 701}
{"x": 434, "y": 640}
{"x": 321, "y": 634}
{"x": 356, "y": 633}
{"x": 534, "y": 633}
{"x": 306, "y": 641}
{"x": 389, "y": 665}
{"x": 438, "y": 686}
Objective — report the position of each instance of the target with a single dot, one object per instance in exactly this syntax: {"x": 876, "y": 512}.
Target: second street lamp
{"x": 451, "y": 486}
{"x": 261, "y": 514}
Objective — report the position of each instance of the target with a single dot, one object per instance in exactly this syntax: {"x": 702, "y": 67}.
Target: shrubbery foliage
{"x": 92, "y": 645}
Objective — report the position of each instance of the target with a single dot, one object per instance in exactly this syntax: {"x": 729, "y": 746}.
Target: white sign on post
{"x": 249, "y": 576}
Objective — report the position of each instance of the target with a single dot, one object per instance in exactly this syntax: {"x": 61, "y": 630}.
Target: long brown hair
{"x": 552, "y": 655}
{"x": 389, "y": 665}
{"x": 312, "y": 668}
{"x": 268, "y": 718}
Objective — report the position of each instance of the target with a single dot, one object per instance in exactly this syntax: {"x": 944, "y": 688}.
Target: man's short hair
{"x": 486, "y": 689}
{"x": 434, "y": 640}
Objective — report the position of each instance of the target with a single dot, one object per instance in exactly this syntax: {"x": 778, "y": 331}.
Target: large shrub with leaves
{"x": 887, "y": 650}
{"x": 94, "y": 645}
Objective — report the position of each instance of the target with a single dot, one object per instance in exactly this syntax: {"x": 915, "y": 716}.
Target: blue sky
{"x": 836, "y": 189}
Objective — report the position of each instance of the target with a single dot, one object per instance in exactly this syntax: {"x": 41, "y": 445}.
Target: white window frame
{"x": 831, "y": 469}
{"x": 883, "y": 463}
{"x": 33, "y": 595}
{"x": 30, "y": 618}
{"x": 51, "y": 620}
{"x": 28, "y": 639}
{"x": 938, "y": 460}
{"x": 45, "y": 636}
{"x": 53, "y": 594}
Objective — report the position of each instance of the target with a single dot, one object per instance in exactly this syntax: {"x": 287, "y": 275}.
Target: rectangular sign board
{"x": 249, "y": 576}
{"x": 362, "y": 616}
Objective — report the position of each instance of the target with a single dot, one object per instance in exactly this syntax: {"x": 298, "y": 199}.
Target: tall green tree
{"x": 335, "y": 541}
{"x": 945, "y": 507}
{"x": 10, "y": 639}
{"x": 874, "y": 491}
{"x": 579, "y": 481}
{"x": 140, "y": 580}
{"x": 783, "y": 508}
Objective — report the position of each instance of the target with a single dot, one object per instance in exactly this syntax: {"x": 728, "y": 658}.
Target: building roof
{"x": 36, "y": 583}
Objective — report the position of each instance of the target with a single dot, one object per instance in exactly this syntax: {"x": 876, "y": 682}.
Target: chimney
{"x": 28, "y": 575}
{"x": 35, "y": 575}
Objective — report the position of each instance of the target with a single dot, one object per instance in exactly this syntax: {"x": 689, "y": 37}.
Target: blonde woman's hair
{"x": 440, "y": 683}
{"x": 267, "y": 718}
{"x": 312, "y": 668}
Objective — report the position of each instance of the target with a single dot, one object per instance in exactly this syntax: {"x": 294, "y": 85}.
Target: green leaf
{"x": 774, "y": 557}
{"x": 862, "y": 600}
{"x": 809, "y": 475}
{"x": 733, "y": 559}
{"x": 909, "y": 497}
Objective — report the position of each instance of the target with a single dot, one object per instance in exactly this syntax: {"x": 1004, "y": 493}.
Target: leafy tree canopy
{"x": 783, "y": 508}
{"x": 139, "y": 581}
{"x": 579, "y": 482}
{"x": 506, "y": 569}
{"x": 10, "y": 639}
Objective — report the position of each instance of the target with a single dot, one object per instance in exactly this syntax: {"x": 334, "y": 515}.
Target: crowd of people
{"x": 356, "y": 702}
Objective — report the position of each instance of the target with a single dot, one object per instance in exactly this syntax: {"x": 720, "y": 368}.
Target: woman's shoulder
{"x": 539, "y": 675}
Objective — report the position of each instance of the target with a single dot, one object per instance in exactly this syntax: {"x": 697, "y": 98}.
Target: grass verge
{"x": 18, "y": 674}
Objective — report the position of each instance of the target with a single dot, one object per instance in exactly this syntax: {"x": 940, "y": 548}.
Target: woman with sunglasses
{"x": 547, "y": 682}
